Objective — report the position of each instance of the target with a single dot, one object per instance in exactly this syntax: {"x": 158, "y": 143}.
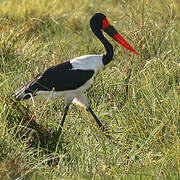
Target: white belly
{"x": 69, "y": 95}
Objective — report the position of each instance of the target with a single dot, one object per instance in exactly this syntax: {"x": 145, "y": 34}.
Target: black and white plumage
{"x": 70, "y": 79}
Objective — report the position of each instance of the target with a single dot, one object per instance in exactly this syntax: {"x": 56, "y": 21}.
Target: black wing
{"x": 58, "y": 78}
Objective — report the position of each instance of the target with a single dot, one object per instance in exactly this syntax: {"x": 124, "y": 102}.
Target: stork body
{"x": 72, "y": 78}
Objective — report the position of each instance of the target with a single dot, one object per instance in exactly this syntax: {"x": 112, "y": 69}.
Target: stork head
{"x": 100, "y": 22}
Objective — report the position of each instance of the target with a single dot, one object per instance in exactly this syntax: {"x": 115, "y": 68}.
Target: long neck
{"x": 108, "y": 47}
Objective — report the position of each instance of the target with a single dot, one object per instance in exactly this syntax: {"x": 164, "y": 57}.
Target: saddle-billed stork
{"x": 70, "y": 79}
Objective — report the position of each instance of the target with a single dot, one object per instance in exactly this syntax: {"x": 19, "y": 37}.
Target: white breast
{"x": 87, "y": 62}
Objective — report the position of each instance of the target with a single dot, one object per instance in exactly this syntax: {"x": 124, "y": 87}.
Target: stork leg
{"x": 63, "y": 119}
{"x": 82, "y": 101}
{"x": 98, "y": 122}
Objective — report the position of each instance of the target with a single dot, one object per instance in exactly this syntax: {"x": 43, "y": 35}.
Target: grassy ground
{"x": 145, "y": 122}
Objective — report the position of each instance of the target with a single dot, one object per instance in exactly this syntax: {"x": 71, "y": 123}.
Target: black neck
{"x": 109, "y": 49}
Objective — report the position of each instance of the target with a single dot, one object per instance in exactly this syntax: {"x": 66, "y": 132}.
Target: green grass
{"x": 145, "y": 123}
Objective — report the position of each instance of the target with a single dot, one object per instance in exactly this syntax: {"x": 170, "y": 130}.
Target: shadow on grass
{"x": 27, "y": 129}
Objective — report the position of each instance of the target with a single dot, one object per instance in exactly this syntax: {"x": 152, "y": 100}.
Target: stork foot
{"x": 104, "y": 129}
